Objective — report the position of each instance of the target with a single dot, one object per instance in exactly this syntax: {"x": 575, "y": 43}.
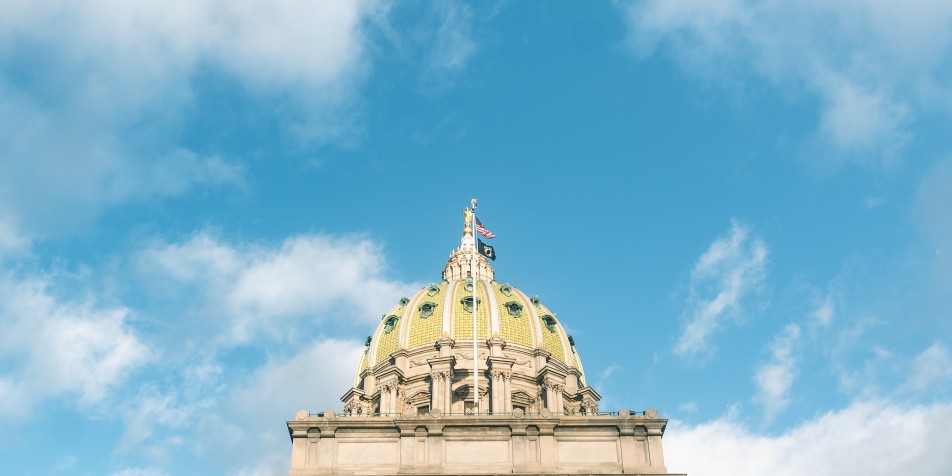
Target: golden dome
{"x": 445, "y": 309}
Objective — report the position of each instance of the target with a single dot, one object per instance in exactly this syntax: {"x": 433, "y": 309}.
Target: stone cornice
{"x": 500, "y": 363}
{"x": 351, "y": 393}
{"x": 328, "y": 426}
{"x": 552, "y": 370}
{"x": 388, "y": 372}
{"x": 590, "y": 393}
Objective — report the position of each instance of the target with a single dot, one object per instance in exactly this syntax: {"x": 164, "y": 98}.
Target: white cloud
{"x": 863, "y": 121}
{"x": 94, "y": 96}
{"x": 65, "y": 463}
{"x": 249, "y": 286}
{"x": 452, "y": 44}
{"x": 874, "y": 66}
{"x": 930, "y": 368}
{"x": 11, "y": 242}
{"x": 865, "y": 380}
{"x": 934, "y": 222}
{"x": 825, "y": 312}
{"x": 688, "y": 407}
{"x": 151, "y": 412}
{"x": 731, "y": 268}
{"x": 228, "y": 298}
{"x": 154, "y": 43}
{"x": 253, "y": 439}
{"x": 874, "y": 438}
{"x": 438, "y": 43}
{"x": 54, "y": 347}
{"x": 775, "y": 378}
{"x": 140, "y": 472}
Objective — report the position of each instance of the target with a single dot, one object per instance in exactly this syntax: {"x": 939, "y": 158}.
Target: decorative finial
{"x": 468, "y": 217}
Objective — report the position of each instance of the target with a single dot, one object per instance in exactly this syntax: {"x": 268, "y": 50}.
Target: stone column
{"x": 388, "y": 379}
{"x": 508, "y": 393}
{"x": 394, "y": 398}
{"x": 501, "y": 391}
{"x": 441, "y": 378}
{"x": 553, "y": 396}
{"x": 436, "y": 392}
{"x": 440, "y": 398}
{"x": 448, "y": 391}
{"x": 552, "y": 379}
{"x": 388, "y": 397}
{"x": 500, "y": 371}
{"x": 384, "y": 400}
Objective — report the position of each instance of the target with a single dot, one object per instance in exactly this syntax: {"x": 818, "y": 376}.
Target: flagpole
{"x": 475, "y": 309}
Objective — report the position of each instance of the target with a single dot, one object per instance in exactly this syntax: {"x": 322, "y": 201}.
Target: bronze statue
{"x": 468, "y": 226}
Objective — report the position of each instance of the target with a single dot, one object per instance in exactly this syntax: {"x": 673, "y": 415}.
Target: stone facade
{"x": 429, "y": 397}
{"x": 547, "y": 443}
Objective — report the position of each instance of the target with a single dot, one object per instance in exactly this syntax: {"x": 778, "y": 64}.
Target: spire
{"x": 460, "y": 264}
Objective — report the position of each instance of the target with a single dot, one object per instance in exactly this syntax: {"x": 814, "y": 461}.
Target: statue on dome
{"x": 468, "y": 217}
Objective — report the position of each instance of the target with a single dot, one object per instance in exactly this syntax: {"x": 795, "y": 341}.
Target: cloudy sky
{"x": 742, "y": 211}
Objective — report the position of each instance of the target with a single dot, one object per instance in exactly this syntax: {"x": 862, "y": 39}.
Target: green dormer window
{"x": 390, "y": 324}
{"x": 467, "y": 303}
{"x": 469, "y": 285}
{"x": 404, "y": 301}
{"x": 506, "y": 289}
{"x": 426, "y": 309}
{"x": 433, "y": 290}
{"x": 536, "y": 301}
{"x": 549, "y": 322}
{"x": 514, "y": 308}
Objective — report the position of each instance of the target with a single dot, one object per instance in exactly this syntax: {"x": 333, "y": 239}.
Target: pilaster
{"x": 552, "y": 380}
{"x": 500, "y": 386}
{"x": 441, "y": 379}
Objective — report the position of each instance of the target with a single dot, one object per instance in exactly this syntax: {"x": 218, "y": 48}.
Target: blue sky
{"x": 739, "y": 209}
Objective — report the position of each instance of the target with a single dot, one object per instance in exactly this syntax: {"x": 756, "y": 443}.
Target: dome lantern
{"x": 465, "y": 262}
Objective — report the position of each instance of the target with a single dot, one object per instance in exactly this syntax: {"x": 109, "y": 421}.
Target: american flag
{"x": 483, "y": 231}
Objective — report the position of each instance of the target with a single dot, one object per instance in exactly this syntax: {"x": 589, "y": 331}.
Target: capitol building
{"x": 429, "y": 398}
